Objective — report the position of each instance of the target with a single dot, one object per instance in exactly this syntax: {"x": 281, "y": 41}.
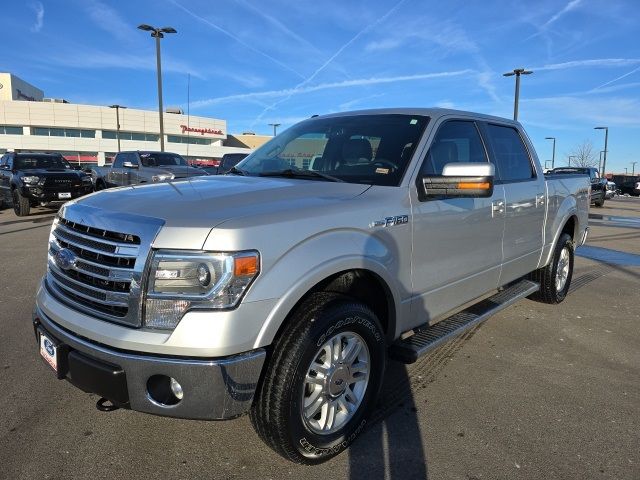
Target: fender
{"x": 567, "y": 209}
{"x": 316, "y": 259}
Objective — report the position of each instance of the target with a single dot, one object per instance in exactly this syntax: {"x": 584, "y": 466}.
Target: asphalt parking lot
{"x": 536, "y": 392}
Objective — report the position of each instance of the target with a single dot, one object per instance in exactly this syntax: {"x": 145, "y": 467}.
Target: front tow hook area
{"x": 106, "y": 405}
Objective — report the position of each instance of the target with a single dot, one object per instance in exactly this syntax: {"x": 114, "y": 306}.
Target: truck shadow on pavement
{"x": 394, "y": 446}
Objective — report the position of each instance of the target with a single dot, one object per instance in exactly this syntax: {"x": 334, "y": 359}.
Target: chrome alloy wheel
{"x": 335, "y": 383}
{"x": 562, "y": 272}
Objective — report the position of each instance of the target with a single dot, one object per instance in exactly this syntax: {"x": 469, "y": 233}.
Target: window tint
{"x": 457, "y": 141}
{"x": 133, "y": 158}
{"x": 117, "y": 162}
{"x": 511, "y": 157}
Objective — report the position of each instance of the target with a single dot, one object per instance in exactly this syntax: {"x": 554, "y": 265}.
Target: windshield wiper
{"x": 290, "y": 172}
{"x": 236, "y": 171}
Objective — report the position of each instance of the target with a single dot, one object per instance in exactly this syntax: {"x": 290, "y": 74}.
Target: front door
{"x": 457, "y": 242}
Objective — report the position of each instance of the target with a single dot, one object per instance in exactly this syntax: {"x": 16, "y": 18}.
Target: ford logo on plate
{"x": 48, "y": 346}
{"x": 65, "y": 258}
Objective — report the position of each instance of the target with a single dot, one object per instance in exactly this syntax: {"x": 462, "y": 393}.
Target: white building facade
{"x": 88, "y": 134}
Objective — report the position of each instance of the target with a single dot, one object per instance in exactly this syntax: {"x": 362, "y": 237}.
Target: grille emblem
{"x": 65, "y": 259}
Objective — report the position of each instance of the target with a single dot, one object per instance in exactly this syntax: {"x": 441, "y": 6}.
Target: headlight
{"x": 163, "y": 177}
{"x": 30, "y": 179}
{"x": 87, "y": 180}
{"x": 181, "y": 281}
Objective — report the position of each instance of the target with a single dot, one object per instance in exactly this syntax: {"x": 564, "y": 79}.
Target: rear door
{"x": 130, "y": 176}
{"x": 525, "y": 195}
{"x": 457, "y": 242}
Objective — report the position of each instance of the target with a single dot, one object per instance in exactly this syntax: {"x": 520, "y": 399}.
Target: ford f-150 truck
{"x": 31, "y": 179}
{"x": 133, "y": 168}
{"x": 287, "y": 302}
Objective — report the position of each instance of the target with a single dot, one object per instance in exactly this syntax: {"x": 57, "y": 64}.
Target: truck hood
{"x": 191, "y": 208}
{"x": 180, "y": 171}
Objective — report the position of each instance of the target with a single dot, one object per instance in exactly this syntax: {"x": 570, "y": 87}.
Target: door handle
{"x": 497, "y": 207}
{"x": 540, "y": 199}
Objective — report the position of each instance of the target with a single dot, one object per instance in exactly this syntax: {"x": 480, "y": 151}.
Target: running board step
{"x": 427, "y": 338}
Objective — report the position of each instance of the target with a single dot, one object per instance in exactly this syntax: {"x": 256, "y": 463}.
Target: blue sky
{"x": 255, "y": 63}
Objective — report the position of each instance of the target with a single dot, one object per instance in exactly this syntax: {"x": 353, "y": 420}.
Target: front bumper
{"x": 46, "y": 195}
{"x": 214, "y": 389}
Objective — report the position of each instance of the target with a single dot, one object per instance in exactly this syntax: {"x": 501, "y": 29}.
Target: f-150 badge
{"x": 390, "y": 221}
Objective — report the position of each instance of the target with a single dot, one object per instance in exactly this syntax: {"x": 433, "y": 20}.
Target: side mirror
{"x": 474, "y": 180}
{"x": 129, "y": 165}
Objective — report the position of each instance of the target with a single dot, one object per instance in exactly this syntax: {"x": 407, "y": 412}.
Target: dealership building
{"x": 88, "y": 134}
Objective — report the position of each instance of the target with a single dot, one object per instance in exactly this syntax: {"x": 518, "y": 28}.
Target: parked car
{"x": 281, "y": 291}
{"x": 138, "y": 167}
{"x": 630, "y": 187}
{"x": 598, "y": 183}
{"x": 30, "y": 179}
{"x": 228, "y": 161}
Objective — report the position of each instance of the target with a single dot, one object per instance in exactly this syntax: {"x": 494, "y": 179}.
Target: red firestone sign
{"x": 201, "y": 131}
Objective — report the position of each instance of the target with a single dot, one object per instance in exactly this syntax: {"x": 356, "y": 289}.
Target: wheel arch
{"x": 359, "y": 279}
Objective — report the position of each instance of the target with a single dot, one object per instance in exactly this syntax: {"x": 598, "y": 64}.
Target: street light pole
{"x": 633, "y": 168}
{"x": 117, "y": 107}
{"x": 517, "y": 72}
{"x": 606, "y": 139}
{"x": 275, "y": 125}
{"x": 158, "y": 33}
{"x": 553, "y": 158}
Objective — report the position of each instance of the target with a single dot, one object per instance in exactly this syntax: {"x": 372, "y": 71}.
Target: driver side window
{"x": 118, "y": 161}
{"x": 456, "y": 141}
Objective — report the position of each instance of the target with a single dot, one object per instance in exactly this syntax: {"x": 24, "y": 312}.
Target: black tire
{"x": 21, "y": 205}
{"x": 546, "y": 276}
{"x": 599, "y": 203}
{"x": 277, "y": 414}
{"x": 100, "y": 185}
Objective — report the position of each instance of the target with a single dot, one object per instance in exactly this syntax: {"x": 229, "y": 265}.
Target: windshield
{"x": 40, "y": 161}
{"x": 159, "y": 159}
{"x": 370, "y": 149}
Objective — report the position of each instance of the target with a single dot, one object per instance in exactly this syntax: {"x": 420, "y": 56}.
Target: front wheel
{"x": 322, "y": 380}
{"x": 555, "y": 278}
{"x": 21, "y": 205}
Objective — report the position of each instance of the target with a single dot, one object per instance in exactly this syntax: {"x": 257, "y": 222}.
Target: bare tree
{"x": 583, "y": 155}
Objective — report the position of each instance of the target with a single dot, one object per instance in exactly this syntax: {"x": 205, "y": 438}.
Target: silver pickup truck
{"x": 346, "y": 240}
{"x": 138, "y": 167}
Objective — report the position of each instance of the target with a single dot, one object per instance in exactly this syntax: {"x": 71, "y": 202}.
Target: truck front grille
{"x": 102, "y": 277}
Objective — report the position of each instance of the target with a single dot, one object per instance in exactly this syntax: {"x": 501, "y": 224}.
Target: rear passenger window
{"x": 457, "y": 141}
{"x": 511, "y": 158}
{"x": 117, "y": 162}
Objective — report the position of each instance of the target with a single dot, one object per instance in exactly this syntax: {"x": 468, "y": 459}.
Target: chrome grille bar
{"x": 103, "y": 272}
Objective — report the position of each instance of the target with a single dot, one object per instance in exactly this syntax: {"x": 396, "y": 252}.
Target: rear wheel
{"x": 555, "y": 278}
{"x": 21, "y": 205}
{"x": 599, "y": 203}
{"x": 322, "y": 379}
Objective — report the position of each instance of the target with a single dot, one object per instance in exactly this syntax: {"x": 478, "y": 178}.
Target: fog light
{"x": 176, "y": 389}
{"x": 164, "y": 390}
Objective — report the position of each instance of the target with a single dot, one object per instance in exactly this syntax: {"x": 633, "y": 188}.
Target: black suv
{"x": 598, "y": 183}
{"x": 30, "y": 179}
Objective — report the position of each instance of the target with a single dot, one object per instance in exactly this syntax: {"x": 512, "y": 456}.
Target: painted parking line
{"x": 607, "y": 255}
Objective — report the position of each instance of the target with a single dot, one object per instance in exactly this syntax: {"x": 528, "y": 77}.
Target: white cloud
{"x": 288, "y": 92}
{"x": 584, "y": 111}
{"x": 572, "y": 5}
{"x": 616, "y": 79}
{"x": 598, "y": 62}
{"x": 109, "y": 20}
{"x": 235, "y": 37}
{"x": 38, "y": 8}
